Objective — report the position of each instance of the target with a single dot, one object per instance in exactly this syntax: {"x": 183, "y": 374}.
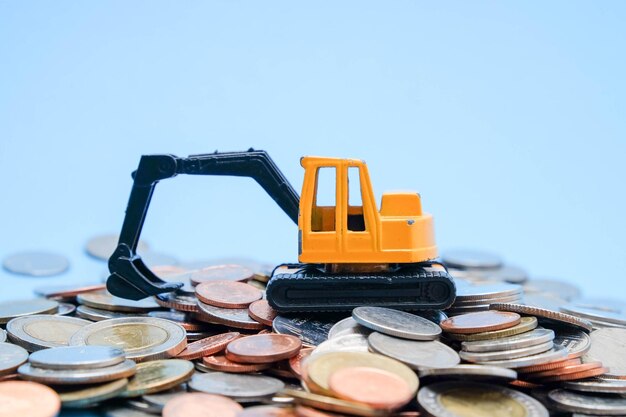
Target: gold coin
{"x": 526, "y": 324}
{"x": 158, "y": 376}
{"x": 141, "y": 338}
{"x": 87, "y": 397}
{"x": 38, "y": 332}
{"x": 318, "y": 368}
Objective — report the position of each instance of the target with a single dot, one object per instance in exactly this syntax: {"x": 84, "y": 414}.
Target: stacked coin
{"x": 473, "y": 297}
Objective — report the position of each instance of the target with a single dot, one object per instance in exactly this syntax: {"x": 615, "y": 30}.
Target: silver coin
{"x": 141, "y": 338}
{"x": 241, "y": 387}
{"x": 491, "y": 291}
{"x": 347, "y": 326}
{"x": 597, "y": 385}
{"x": 588, "y": 403}
{"x": 544, "y": 300}
{"x": 36, "y": 264}
{"x": 77, "y": 357}
{"x": 95, "y": 314}
{"x": 103, "y": 246}
{"x": 343, "y": 343}
{"x": 65, "y": 309}
{"x": 488, "y": 357}
{"x": 233, "y": 317}
{"x": 562, "y": 289}
{"x": 396, "y": 323}
{"x": 545, "y": 316}
{"x": 595, "y": 314}
{"x": 311, "y": 331}
{"x": 455, "y": 399}
{"x": 3, "y": 336}
{"x": 577, "y": 343}
{"x": 601, "y": 304}
{"x": 159, "y": 399}
{"x": 77, "y": 376}
{"x": 38, "y": 332}
{"x": 103, "y": 300}
{"x": 483, "y": 301}
{"x": 12, "y": 309}
{"x": 608, "y": 346}
{"x": 11, "y": 357}
{"x": 527, "y": 339}
{"x": 413, "y": 353}
{"x": 554, "y": 354}
{"x": 471, "y": 259}
{"x": 470, "y": 372}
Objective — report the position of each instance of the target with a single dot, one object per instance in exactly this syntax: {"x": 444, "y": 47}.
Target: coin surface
{"x": 526, "y": 324}
{"x": 23, "y": 398}
{"x": 470, "y": 259}
{"x": 345, "y": 343}
{"x": 12, "y": 309}
{"x": 564, "y": 370}
{"x": 376, "y": 388}
{"x": 544, "y": 314}
{"x": 560, "y": 363}
{"x": 608, "y": 346}
{"x": 576, "y": 342}
{"x": 310, "y": 330}
{"x": 229, "y": 272}
{"x": 103, "y": 246}
{"x": 95, "y": 314}
{"x": 207, "y": 346}
{"x": 77, "y": 357}
{"x": 262, "y": 312}
{"x": 485, "y": 291}
{"x": 223, "y": 364}
{"x": 486, "y": 357}
{"x": 477, "y": 399}
{"x": 318, "y": 368}
{"x": 479, "y": 322}
{"x": 38, "y": 332}
{"x": 396, "y": 323}
{"x": 103, "y": 300}
{"x": 36, "y": 264}
{"x": 159, "y": 399}
{"x": 263, "y": 348}
{"x": 141, "y": 338}
{"x": 578, "y": 402}
{"x": 527, "y": 339}
{"x": 332, "y": 404}
{"x": 198, "y": 404}
{"x": 232, "y": 317}
{"x": 267, "y": 411}
{"x": 597, "y": 385}
{"x": 159, "y": 375}
{"x": 67, "y": 291}
{"x": 228, "y": 294}
{"x": 295, "y": 363}
{"x": 469, "y": 372}
{"x": 11, "y": 357}
{"x": 77, "y": 376}
{"x": 83, "y": 397}
{"x": 242, "y": 388}
{"x": 413, "y": 353}
{"x": 3, "y": 336}
{"x": 347, "y": 326}
{"x": 178, "y": 301}
{"x": 554, "y": 354}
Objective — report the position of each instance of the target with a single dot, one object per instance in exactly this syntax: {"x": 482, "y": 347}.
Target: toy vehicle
{"x": 349, "y": 254}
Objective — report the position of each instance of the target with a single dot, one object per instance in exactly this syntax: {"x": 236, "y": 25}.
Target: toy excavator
{"x": 350, "y": 255}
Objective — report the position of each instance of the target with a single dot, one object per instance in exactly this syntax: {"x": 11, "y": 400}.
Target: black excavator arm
{"x": 130, "y": 278}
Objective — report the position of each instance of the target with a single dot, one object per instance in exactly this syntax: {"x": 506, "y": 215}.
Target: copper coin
{"x": 263, "y": 348}
{"x": 28, "y": 399}
{"x": 548, "y": 366}
{"x": 565, "y": 370}
{"x": 10, "y": 377}
{"x": 221, "y": 363}
{"x": 524, "y": 384}
{"x": 228, "y": 272}
{"x": 180, "y": 317}
{"x": 374, "y": 387}
{"x": 295, "y": 362}
{"x": 228, "y": 294}
{"x": 267, "y": 411}
{"x": 68, "y": 291}
{"x": 197, "y": 404}
{"x": 262, "y": 312}
{"x": 577, "y": 375}
{"x": 482, "y": 321}
{"x": 207, "y": 346}
{"x": 180, "y": 302}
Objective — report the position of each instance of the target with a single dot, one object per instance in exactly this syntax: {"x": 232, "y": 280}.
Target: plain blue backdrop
{"x": 507, "y": 117}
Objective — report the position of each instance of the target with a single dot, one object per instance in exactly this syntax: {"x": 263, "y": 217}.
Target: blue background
{"x": 508, "y": 118}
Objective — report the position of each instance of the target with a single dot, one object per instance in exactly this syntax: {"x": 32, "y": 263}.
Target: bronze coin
{"x": 198, "y": 404}
{"x": 548, "y": 366}
{"x": 376, "y": 388}
{"x": 228, "y": 294}
{"x": 207, "y": 346}
{"x": 228, "y": 272}
{"x": 263, "y": 348}
{"x": 482, "y": 321}
{"x": 262, "y": 312}
{"x": 565, "y": 370}
{"x": 10, "y": 377}
{"x": 577, "y": 375}
{"x": 180, "y": 302}
{"x": 295, "y": 362}
{"x": 221, "y": 363}
{"x": 28, "y": 399}
{"x": 68, "y": 291}
{"x": 524, "y": 384}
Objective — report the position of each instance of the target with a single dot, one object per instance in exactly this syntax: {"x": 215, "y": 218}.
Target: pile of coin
{"x": 510, "y": 345}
